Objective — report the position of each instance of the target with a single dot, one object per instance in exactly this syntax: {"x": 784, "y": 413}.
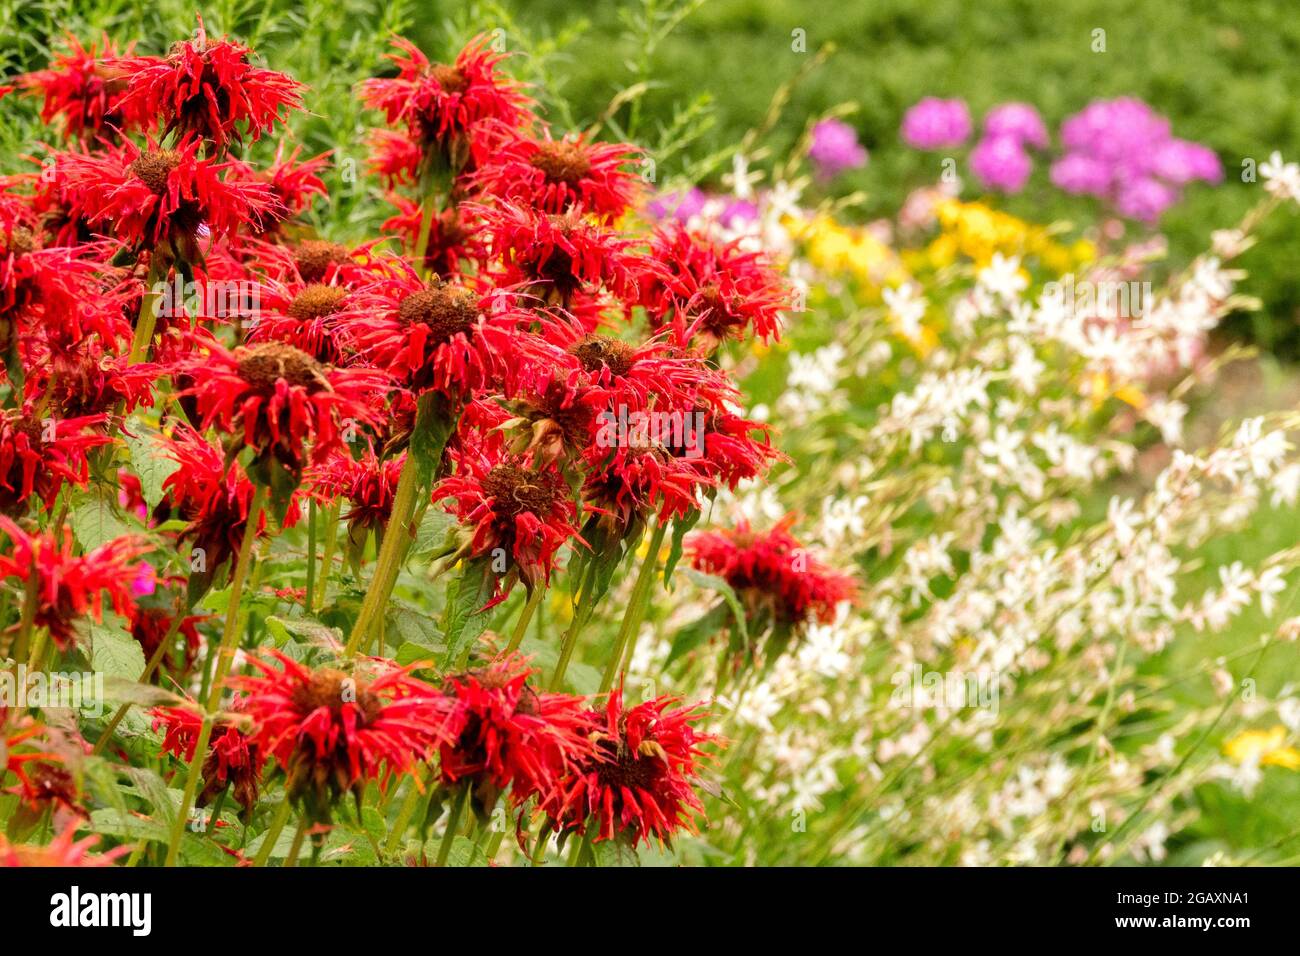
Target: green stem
{"x": 525, "y": 616}
{"x": 635, "y": 613}
{"x": 404, "y": 815}
{"x": 36, "y": 662}
{"x": 147, "y": 319}
{"x": 273, "y": 832}
{"x": 453, "y": 824}
{"x": 296, "y": 848}
{"x": 327, "y": 559}
{"x": 311, "y": 554}
{"x": 581, "y": 612}
{"x": 191, "y": 788}
{"x": 397, "y": 538}
{"x": 230, "y": 635}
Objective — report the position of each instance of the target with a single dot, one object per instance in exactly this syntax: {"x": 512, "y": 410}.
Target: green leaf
{"x": 614, "y": 853}
{"x": 465, "y": 853}
{"x": 699, "y": 631}
{"x": 680, "y": 527}
{"x": 464, "y": 617}
{"x": 114, "y": 652}
{"x": 95, "y": 521}
{"x": 151, "y": 466}
{"x": 431, "y": 536}
{"x": 435, "y": 421}
{"x": 309, "y": 630}
{"x": 715, "y": 583}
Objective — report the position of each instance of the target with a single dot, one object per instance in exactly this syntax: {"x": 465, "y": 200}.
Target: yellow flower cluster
{"x": 1266, "y": 748}
{"x": 974, "y": 231}
{"x": 839, "y": 250}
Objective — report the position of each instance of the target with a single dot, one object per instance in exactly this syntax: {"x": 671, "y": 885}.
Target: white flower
{"x": 907, "y": 308}
{"x": 1281, "y": 179}
{"x": 1002, "y": 277}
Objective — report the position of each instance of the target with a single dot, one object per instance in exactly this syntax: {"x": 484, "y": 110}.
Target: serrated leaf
{"x": 114, "y": 652}
{"x": 148, "y": 462}
{"x": 465, "y": 853}
{"x": 95, "y": 521}
{"x": 464, "y": 618}
{"x": 614, "y": 853}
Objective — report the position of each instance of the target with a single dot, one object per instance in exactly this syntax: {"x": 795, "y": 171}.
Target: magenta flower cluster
{"x": 835, "y": 148}
{"x": 1120, "y": 150}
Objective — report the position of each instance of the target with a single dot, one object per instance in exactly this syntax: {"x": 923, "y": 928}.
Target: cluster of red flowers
{"x": 566, "y": 353}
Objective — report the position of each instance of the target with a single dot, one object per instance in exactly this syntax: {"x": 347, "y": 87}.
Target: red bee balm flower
{"x": 279, "y": 397}
{"x": 162, "y": 197}
{"x": 233, "y": 760}
{"x": 641, "y": 782}
{"x": 441, "y": 105}
{"x": 707, "y": 290}
{"x": 507, "y": 735}
{"x": 772, "y": 570}
{"x": 555, "y": 175}
{"x": 63, "y": 851}
{"x": 528, "y": 514}
{"x": 207, "y": 88}
{"x": 85, "y": 88}
{"x": 69, "y": 587}
{"x": 331, "y": 733}
{"x": 38, "y": 455}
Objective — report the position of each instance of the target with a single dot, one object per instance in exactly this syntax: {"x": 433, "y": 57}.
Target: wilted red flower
{"x": 68, "y": 586}
{"x": 441, "y": 105}
{"x": 43, "y": 779}
{"x": 641, "y": 782}
{"x": 149, "y": 625}
{"x": 435, "y": 335}
{"x": 87, "y": 382}
{"x": 527, "y": 513}
{"x": 634, "y": 483}
{"x": 555, "y": 175}
{"x": 37, "y": 455}
{"x": 162, "y": 198}
{"x": 555, "y": 257}
{"x": 233, "y": 760}
{"x": 772, "y": 572}
{"x": 275, "y": 398}
{"x": 709, "y": 291}
{"x": 85, "y": 87}
{"x": 508, "y": 735}
{"x": 207, "y": 88}
{"x": 64, "y": 850}
{"x": 562, "y": 419}
{"x": 331, "y": 732}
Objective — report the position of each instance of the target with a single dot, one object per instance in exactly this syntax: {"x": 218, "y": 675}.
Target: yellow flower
{"x": 1264, "y": 748}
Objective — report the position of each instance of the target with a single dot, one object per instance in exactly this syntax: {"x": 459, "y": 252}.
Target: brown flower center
{"x": 315, "y": 256}
{"x": 154, "y": 168}
{"x": 450, "y": 79}
{"x": 19, "y": 242}
{"x": 446, "y": 309}
{"x": 332, "y": 689}
{"x": 624, "y": 768}
{"x": 264, "y": 365}
{"x": 315, "y": 302}
{"x": 562, "y": 162}
{"x": 601, "y": 351}
{"x": 516, "y": 490}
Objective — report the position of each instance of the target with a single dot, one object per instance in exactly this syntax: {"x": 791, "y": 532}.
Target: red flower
{"x": 528, "y": 514}
{"x": 207, "y": 88}
{"x": 635, "y": 483}
{"x": 63, "y": 851}
{"x": 43, "y": 779}
{"x": 556, "y": 257}
{"x": 709, "y": 291}
{"x": 275, "y": 398}
{"x": 368, "y": 484}
{"x": 162, "y": 197}
{"x": 85, "y": 88}
{"x": 233, "y": 760}
{"x": 213, "y": 497}
{"x": 38, "y": 455}
{"x": 302, "y": 315}
{"x": 772, "y": 572}
{"x": 556, "y": 175}
{"x": 454, "y": 236}
{"x": 641, "y": 782}
{"x": 149, "y": 625}
{"x": 331, "y": 733}
{"x": 442, "y": 105}
{"x": 89, "y": 383}
{"x": 69, "y": 587}
{"x": 394, "y": 157}
{"x": 507, "y": 735}
{"x": 293, "y": 183}
{"x": 438, "y": 336}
